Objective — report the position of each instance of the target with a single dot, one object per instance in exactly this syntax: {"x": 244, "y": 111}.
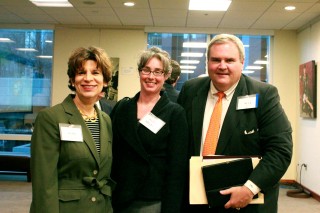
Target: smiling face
{"x": 151, "y": 84}
{"x": 89, "y": 82}
{"x": 224, "y": 65}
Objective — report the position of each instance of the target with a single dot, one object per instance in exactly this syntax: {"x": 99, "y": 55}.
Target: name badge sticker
{"x": 152, "y": 122}
{"x": 70, "y": 132}
{"x": 247, "y": 102}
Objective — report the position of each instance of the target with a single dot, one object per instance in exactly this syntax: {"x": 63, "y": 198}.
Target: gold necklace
{"x": 87, "y": 118}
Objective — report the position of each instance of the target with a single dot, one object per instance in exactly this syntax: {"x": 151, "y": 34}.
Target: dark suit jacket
{"x": 66, "y": 174}
{"x": 171, "y": 92}
{"x": 148, "y": 166}
{"x": 271, "y": 138}
{"x": 106, "y": 105}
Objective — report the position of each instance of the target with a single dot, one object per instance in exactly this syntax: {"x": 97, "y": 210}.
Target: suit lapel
{"x": 198, "y": 108}
{"x": 129, "y": 130}
{"x": 76, "y": 118}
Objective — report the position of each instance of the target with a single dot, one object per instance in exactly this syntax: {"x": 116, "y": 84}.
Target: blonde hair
{"x": 224, "y": 38}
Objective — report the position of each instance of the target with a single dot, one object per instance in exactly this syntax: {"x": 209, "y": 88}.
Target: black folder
{"x": 224, "y": 175}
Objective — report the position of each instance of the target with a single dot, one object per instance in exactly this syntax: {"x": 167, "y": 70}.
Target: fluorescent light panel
{"x": 290, "y": 8}
{"x": 52, "y": 3}
{"x": 260, "y": 62}
{"x": 199, "y": 55}
{"x": 5, "y": 40}
{"x": 194, "y": 44}
{"x": 129, "y": 4}
{"x": 248, "y": 71}
{"x": 187, "y": 71}
{"x": 187, "y": 67}
{"x": 189, "y": 62}
{"x": 26, "y": 49}
{"x": 254, "y": 67}
{"x": 209, "y": 5}
{"x": 44, "y": 56}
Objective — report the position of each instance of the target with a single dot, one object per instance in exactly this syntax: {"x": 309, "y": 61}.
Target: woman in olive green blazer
{"x": 71, "y": 144}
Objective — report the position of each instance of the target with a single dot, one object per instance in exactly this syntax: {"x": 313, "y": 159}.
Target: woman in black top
{"x": 150, "y": 143}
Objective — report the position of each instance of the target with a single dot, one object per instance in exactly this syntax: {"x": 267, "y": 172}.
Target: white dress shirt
{"x": 211, "y": 101}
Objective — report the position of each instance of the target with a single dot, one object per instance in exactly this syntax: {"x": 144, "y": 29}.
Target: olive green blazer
{"x": 70, "y": 176}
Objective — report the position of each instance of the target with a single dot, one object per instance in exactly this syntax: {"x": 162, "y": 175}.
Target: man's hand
{"x": 241, "y": 196}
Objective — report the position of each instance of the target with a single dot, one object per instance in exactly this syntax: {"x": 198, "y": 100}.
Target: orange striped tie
{"x": 211, "y": 141}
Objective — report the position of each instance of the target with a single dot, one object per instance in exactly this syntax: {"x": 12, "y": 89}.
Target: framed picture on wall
{"x": 307, "y": 87}
{"x": 113, "y": 84}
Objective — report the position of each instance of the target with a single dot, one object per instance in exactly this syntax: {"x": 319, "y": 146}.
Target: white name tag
{"x": 152, "y": 122}
{"x": 70, "y": 132}
{"x": 247, "y": 102}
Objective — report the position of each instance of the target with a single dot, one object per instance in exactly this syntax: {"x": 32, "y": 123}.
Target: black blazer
{"x": 149, "y": 166}
{"x": 271, "y": 138}
{"x": 106, "y": 105}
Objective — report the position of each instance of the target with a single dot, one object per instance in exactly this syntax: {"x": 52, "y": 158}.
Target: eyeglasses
{"x": 156, "y": 72}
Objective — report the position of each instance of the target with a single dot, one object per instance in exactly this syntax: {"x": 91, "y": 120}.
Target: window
{"x": 256, "y": 63}
{"x": 189, "y": 50}
{"x": 183, "y": 48}
{"x": 25, "y": 81}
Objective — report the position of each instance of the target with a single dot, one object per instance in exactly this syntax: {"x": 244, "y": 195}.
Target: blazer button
{"x": 93, "y": 199}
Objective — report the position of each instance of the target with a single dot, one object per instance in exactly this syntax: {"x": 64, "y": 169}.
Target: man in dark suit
{"x": 105, "y": 104}
{"x": 170, "y": 83}
{"x": 252, "y": 123}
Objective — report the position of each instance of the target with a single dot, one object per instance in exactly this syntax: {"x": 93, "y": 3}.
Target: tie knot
{"x": 220, "y": 94}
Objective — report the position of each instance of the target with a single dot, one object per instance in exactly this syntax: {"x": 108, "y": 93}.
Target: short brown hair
{"x": 155, "y": 52}
{"x": 81, "y": 54}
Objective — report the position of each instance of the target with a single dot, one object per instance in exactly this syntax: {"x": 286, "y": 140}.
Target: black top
{"x": 148, "y": 166}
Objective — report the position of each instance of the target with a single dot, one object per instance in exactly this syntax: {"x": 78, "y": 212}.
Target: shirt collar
{"x": 228, "y": 93}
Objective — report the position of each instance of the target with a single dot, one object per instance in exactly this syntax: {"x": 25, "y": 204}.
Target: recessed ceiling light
{"x": 209, "y": 5}
{"x": 290, "y": 8}
{"x": 129, "y": 4}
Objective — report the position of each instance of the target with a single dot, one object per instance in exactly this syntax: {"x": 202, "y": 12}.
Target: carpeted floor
{"x": 15, "y": 197}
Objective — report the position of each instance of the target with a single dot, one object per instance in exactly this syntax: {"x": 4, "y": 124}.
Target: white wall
{"x": 308, "y": 148}
{"x": 127, "y": 44}
{"x": 284, "y": 77}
